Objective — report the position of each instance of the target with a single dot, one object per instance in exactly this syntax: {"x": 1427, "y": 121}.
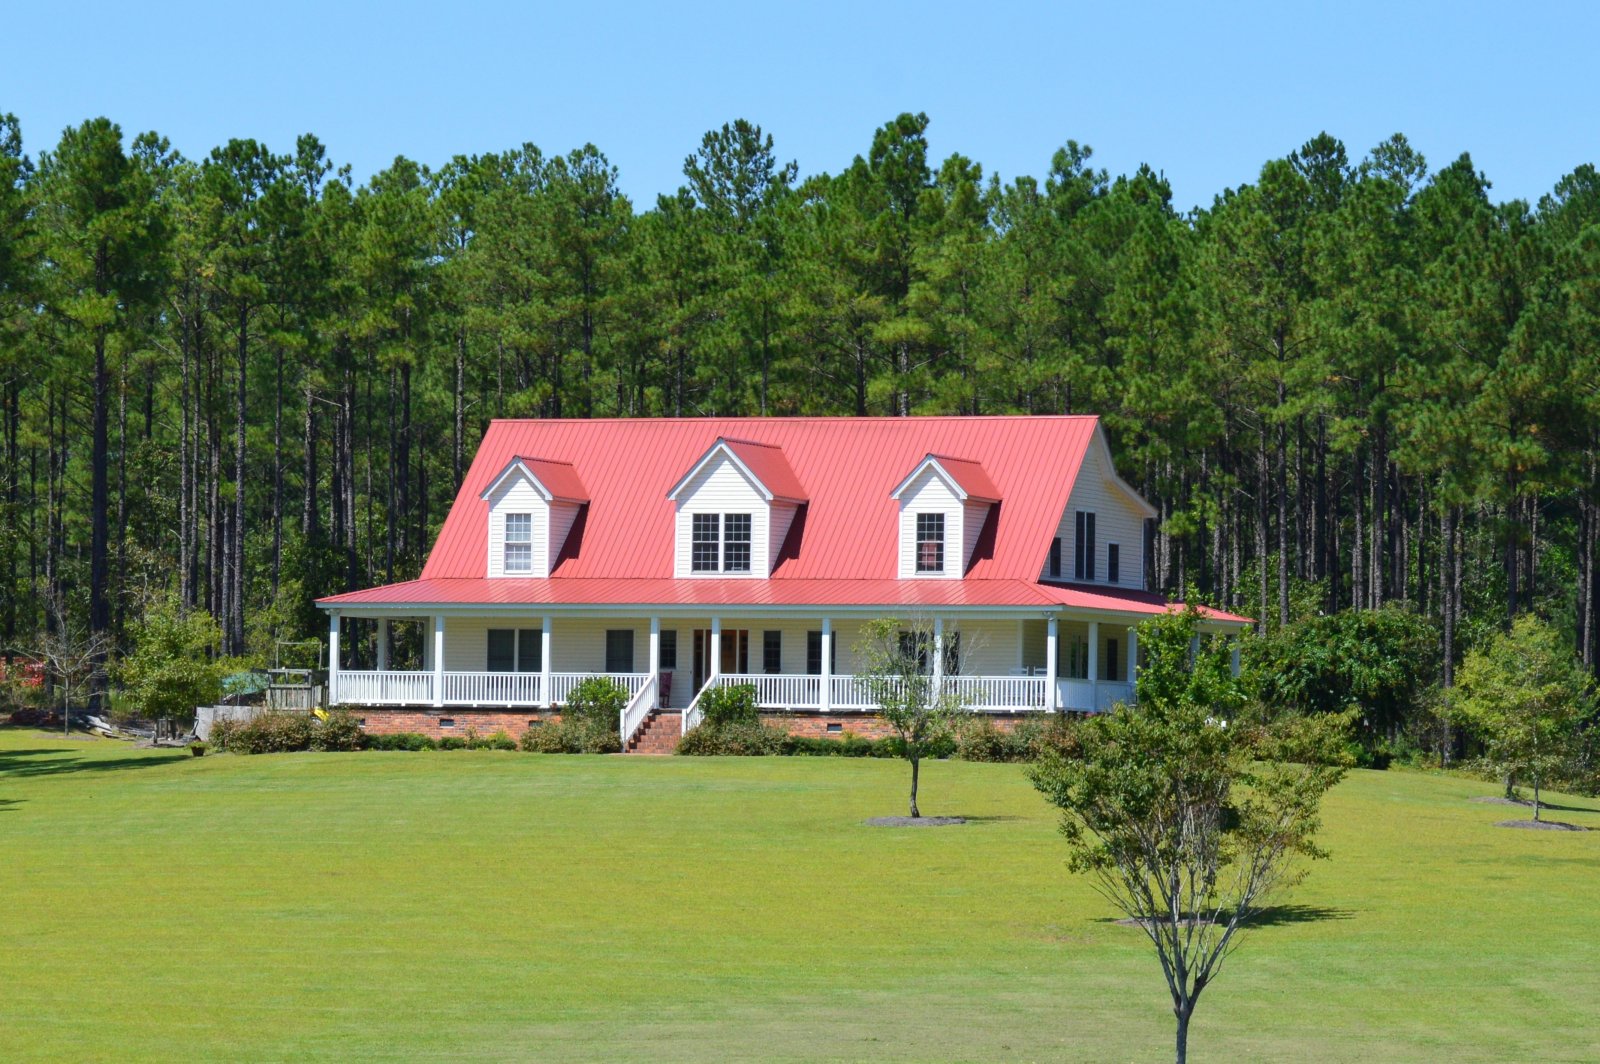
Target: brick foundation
{"x": 379, "y": 721}
{"x": 514, "y": 722}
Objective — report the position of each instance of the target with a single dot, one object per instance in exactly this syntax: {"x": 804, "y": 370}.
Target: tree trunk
{"x": 1183, "y": 1013}
{"x": 99, "y": 555}
{"x": 916, "y": 765}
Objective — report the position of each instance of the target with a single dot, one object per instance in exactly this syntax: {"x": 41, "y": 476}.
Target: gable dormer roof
{"x": 967, "y": 479}
{"x": 554, "y": 481}
{"x": 764, "y": 464}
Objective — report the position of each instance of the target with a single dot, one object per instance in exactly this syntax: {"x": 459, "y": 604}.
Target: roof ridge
{"x": 779, "y": 420}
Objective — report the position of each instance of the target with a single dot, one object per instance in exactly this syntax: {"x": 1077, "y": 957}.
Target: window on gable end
{"x": 736, "y": 543}
{"x": 930, "y": 543}
{"x": 519, "y": 543}
{"x": 706, "y": 546}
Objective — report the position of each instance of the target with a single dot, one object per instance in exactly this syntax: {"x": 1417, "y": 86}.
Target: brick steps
{"x": 659, "y": 734}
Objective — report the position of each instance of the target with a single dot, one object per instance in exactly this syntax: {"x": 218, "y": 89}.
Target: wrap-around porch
{"x": 994, "y": 664}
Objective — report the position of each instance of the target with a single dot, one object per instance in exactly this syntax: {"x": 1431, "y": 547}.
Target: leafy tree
{"x": 1381, "y": 661}
{"x": 1523, "y": 695}
{"x": 1186, "y": 826}
{"x": 897, "y": 669}
{"x": 173, "y": 666}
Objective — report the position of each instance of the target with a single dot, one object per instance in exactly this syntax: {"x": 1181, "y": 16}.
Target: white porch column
{"x": 714, "y": 666}
{"x": 383, "y": 643}
{"x": 1133, "y": 656}
{"x": 655, "y": 656}
{"x": 1233, "y": 657}
{"x": 333, "y": 657}
{"x": 825, "y": 681}
{"x": 938, "y": 654}
{"x": 544, "y": 662}
{"x": 438, "y": 660}
{"x": 1051, "y": 702}
{"x": 1094, "y": 665}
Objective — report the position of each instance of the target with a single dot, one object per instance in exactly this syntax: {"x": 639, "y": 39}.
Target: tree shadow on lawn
{"x": 1273, "y": 916}
{"x": 16, "y": 764}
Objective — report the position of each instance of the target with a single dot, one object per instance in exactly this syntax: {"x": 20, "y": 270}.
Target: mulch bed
{"x": 1497, "y": 799}
{"x": 915, "y": 821}
{"x": 1540, "y": 825}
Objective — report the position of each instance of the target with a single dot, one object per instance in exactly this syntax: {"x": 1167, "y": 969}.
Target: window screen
{"x": 669, "y": 648}
{"x": 619, "y": 650}
{"x": 519, "y": 543}
{"x": 736, "y": 543}
{"x": 814, "y": 653}
{"x": 703, "y": 551}
{"x": 502, "y": 650}
{"x": 1055, "y": 556}
{"x": 930, "y": 543}
{"x": 530, "y": 649}
{"x": 771, "y": 652}
{"x": 1113, "y": 563}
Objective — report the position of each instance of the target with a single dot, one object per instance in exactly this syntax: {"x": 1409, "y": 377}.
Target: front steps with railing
{"x": 659, "y": 734}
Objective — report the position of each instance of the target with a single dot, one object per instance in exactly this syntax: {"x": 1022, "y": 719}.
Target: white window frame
{"x": 522, "y": 541}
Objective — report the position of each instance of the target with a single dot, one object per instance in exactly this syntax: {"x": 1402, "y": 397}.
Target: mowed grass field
{"x": 506, "y": 906}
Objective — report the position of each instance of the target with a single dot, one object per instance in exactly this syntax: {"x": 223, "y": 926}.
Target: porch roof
{"x": 711, "y": 593}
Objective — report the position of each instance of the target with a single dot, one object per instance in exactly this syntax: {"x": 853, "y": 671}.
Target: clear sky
{"x": 1204, "y": 92}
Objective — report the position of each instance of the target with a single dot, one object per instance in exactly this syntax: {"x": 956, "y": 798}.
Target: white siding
{"x": 974, "y": 514}
{"x": 562, "y": 514}
{"x": 782, "y": 517}
{"x": 1116, "y": 520}
{"x": 518, "y": 496}
{"x": 720, "y": 488}
{"x": 928, "y": 493}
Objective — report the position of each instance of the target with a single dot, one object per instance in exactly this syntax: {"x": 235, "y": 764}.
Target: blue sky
{"x": 1205, "y": 93}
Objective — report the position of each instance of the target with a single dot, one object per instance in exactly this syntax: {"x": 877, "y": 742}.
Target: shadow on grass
{"x": 7, "y": 803}
{"x": 987, "y": 819}
{"x": 16, "y": 764}
{"x": 1272, "y": 916}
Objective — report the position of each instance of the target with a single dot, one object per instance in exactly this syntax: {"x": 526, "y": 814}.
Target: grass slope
{"x": 491, "y": 906}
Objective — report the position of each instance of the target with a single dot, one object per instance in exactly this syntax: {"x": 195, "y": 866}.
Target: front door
{"x": 734, "y": 653}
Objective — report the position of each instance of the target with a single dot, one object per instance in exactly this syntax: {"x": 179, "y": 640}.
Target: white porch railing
{"x": 388, "y": 687}
{"x": 998, "y": 692}
{"x": 562, "y": 683}
{"x": 492, "y": 688}
{"x": 693, "y": 714}
{"x": 777, "y": 691}
{"x": 637, "y": 709}
{"x": 1097, "y": 697}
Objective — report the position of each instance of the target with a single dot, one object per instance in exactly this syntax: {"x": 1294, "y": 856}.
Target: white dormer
{"x": 944, "y": 502}
{"x": 1100, "y": 538}
{"x": 734, "y": 508}
{"x": 532, "y": 506}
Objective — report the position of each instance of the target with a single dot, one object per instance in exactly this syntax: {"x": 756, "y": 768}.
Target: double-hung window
{"x": 1083, "y": 546}
{"x": 930, "y": 543}
{"x": 515, "y": 649}
{"x": 706, "y": 547}
{"x": 720, "y": 543}
{"x": 519, "y": 543}
{"x": 736, "y": 543}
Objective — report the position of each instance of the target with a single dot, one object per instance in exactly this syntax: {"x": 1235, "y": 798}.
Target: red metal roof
{"x": 847, "y": 466}
{"x": 560, "y": 479}
{"x": 770, "y": 467}
{"x": 970, "y": 475}
{"x": 843, "y": 545}
{"x": 714, "y": 592}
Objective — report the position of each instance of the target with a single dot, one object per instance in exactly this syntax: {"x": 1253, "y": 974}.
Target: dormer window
{"x": 519, "y": 543}
{"x": 707, "y": 542}
{"x": 736, "y": 543}
{"x": 721, "y": 543}
{"x": 930, "y": 543}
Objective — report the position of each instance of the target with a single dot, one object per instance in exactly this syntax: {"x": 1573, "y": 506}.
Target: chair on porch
{"x": 664, "y": 688}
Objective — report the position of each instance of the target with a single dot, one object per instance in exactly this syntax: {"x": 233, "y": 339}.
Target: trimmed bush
{"x": 400, "y": 741}
{"x": 278, "y": 733}
{"x": 740, "y": 739}
{"x": 572, "y": 736}
{"x": 597, "y": 701}
{"x": 722, "y": 706}
{"x": 849, "y": 744}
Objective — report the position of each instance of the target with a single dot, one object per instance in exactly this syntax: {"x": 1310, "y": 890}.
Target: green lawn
{"x": 479, "y": 905}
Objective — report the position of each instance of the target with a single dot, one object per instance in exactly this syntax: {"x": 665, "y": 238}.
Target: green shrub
{"x": 596, "y": 700}
{"x": 452, "y": 742}
{"x": 198, "y": 748}
{"x": 980, "y": 740}
{"x": 739, "y": 739}
{"x": 572, "y": 736}
{"x": 849, "y": 744}
{"x": 340, "y": 732}
{"x": 276, "y": 733}
{"x": 400, "y": 741}
{"x": 730, "y": 705}
{"x": 499, "y": 740}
